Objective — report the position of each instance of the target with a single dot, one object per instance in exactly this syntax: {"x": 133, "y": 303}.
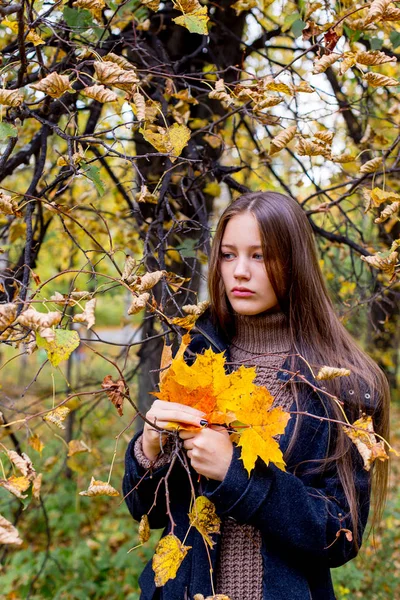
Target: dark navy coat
{"x": 298, "y": 511}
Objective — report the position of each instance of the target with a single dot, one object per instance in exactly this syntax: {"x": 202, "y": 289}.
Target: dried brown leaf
{"x": 99, "y": 488}
{"x": 100, "y": 93}
{"x": 371, "y": 165}
{"x": 327, "y": 60}
{"x": 374, "y": 57}
{"x": 115, "y": 391}
{"x": 138, "y": 303}
{"x": 366, "y": 442}
{"x": 388, "y": 212}
{"x": 53, "y": 85}
{"x": 16, "y": 485}
{"x": 8, "y": 533}
{"x": 87, "y": 316}
{"x": 377, "y": 79}
{"x": 331, "y": 373}
{"x": 23, "y": 464}
{"x": 77, "y": 447}
{"x": 9, "y": 205}
{"x": 144, "y": 529}
{"x": 11, "y": 98}
{"x": 36, "y": 486}
{"x": 281, "y": 140}
{"x": 377, "y": 10}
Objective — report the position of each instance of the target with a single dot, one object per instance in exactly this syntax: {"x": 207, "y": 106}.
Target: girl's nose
{"x": 241, "y": 269}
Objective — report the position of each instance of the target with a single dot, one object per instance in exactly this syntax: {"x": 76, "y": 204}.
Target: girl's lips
{"x": 242, "y": 293}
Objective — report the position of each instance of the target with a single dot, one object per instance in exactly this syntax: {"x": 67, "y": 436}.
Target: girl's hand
{"x": 210, "y": 451}
{"x": 161, "y": 414}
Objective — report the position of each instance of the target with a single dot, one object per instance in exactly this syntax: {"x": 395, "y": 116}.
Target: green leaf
{"x": 298, "y": 27}
{"x": 78, "y": 19}
{"x": 26, "y": 501}
{"x": 62, "y": 347}
{"x": 195, "y": 22}
{"x": 290, "y": 19}
{"x": 376, "y": 43}
{"x": 7, "y": 130}
{"x": 395, "y": 38}
{"x": 93, "y": 173}
{"x": 353, "y": 36}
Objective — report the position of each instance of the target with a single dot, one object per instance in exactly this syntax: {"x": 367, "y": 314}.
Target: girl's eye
{"x": 258, "y": 256}
{"x": 227, "y": 255}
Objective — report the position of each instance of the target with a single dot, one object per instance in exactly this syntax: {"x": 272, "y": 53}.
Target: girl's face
{"x": 243, "y": 271}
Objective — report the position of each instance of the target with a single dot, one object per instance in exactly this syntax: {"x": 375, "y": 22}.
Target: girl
{"x": 281, "y": 531}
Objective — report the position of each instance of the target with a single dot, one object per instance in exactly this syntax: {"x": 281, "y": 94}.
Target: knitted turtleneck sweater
{"x": 261, "y": 341}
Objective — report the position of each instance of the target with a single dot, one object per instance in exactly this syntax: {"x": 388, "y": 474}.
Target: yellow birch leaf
{"x": 194, "y": 18}
{"x": 366, "y": 442}
{"x": 152, "y": 4}
{"x": 212, "y": 189}
{"x": 276, "y": 86}
{"x": 379, "y": 196}
{"x": 331, "y": 372}
{"x": 8, "y": 533}
{"x": 36, "y": 443}
{"x": 179, "y": 135}
{"x": 377, "y": 79}
{"x": 167, "y": 558}
{"x": 59, "y": 349}
{"x": 11, "y": 98}
{"x": 281, "y": 140}
{"x": 242, "y": 5}
{"x": 33, "y": 37}
{"x": 77, "y": 447}
{"x": 187, "y": 322}
{"x": 57, "y": 416}
{"x": 100, "y": 93}
{"x": 99, "y": 488}
{"x": 204, "y": 518}
{"x": 16, "y": 485}
{"x": 53, "y": 85}
{"x": 144, "y": 529}
{"x": 94, "y": 6}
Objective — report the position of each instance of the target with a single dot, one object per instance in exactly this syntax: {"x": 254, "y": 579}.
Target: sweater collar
{"x": 265, "y": 332}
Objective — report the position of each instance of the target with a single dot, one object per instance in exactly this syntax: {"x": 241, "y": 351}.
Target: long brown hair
{"x": 316, "y": 333}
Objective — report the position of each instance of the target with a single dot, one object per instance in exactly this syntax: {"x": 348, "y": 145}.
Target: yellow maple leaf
{"x": 167, "y": 558}
{"x": 263, "y": 424}
{"x": 57, "y": 416}
{"x": 204, "y": 518}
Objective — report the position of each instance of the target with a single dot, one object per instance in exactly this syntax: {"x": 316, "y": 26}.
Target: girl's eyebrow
{"x": 233, "y": 246}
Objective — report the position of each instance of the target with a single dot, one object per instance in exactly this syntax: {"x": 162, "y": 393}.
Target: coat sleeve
{"x": 299, "y": 510}
{"x": 142, "y": 488}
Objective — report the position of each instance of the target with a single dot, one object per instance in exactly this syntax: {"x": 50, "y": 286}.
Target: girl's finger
{"x": 187, "y": 435}
{"x": 174, "y": 415}
{"x": 176, "y": 406}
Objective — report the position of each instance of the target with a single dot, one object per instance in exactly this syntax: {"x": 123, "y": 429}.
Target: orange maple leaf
{"x": 226, "y": 398}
